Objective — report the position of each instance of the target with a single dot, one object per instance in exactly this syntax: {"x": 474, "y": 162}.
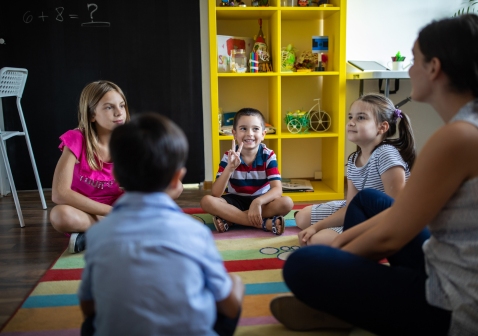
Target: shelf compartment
{"x": 244, "y": 13}
{"x": 309, "y": 135}
{"x": 309, "y": 13}
{"x": 311, "y": 74}
{"x": 322, "y": 192}
{"x": 248, "y": 74}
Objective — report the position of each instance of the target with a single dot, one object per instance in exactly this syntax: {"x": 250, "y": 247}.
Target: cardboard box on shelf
{"x": 225, "y": 44}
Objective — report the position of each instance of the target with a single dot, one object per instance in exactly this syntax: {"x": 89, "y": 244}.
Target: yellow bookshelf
{"x": 274, "y": 93}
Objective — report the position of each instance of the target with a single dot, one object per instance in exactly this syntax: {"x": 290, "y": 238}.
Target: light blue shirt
{"x": 152, "y": 270}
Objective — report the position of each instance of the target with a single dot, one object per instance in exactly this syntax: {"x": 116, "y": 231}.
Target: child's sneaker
{"x": 77, "y": 242}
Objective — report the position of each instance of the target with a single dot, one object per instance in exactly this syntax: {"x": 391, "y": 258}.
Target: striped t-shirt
{"x": 369, "y": 175}
{"x": 252, "y": 180}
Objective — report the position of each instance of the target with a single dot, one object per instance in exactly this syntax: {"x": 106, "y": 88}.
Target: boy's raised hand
{"x": 233, "y": 157}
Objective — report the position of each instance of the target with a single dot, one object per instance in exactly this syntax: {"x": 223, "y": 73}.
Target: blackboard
{"x": 150, "y": 48}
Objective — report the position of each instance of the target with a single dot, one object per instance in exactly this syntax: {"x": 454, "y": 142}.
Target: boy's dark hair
{"x": 248, "y": 111}
{"x": 147, "y": 151}
{"x": 454, "y": 42}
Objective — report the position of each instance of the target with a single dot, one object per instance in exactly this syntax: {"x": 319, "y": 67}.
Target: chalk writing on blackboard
{"x": 94, "y": 23}
{"x": 29, "y": 16}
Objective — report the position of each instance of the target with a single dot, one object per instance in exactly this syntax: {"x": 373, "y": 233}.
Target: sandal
{"x": 225, "y": 225}
{"x": 275, "y": 230}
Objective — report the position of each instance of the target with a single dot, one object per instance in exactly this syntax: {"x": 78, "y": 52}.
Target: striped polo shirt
{"x": 252, "y": 180}
{"x": 369, "y": 176}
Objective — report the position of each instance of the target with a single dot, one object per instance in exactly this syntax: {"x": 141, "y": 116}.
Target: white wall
{"x": 376, "y": 30}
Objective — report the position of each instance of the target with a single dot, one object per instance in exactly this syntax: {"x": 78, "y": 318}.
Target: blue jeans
{"x": 384, "y": 300}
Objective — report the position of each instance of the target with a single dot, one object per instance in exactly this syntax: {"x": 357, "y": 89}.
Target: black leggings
{"x": 386, "y": 300}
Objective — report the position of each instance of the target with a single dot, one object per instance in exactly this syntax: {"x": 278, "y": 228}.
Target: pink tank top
{"x": 99, "y": 185}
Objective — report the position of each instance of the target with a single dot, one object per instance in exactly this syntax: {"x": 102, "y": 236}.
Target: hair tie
{"x": 397, "y": 114}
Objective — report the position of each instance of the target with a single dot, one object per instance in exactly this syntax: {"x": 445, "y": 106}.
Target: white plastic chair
{"x": 12, "y": 83}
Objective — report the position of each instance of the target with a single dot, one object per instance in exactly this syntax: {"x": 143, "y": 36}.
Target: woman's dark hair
{"x": 384, "y": 110}
{"x": 248, "y": 111}
{"x": 454, "y": 42}
{"x": 147, "y": 152}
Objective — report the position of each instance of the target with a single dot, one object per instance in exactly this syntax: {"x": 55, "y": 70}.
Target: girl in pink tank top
{"x": 84, "y": 187}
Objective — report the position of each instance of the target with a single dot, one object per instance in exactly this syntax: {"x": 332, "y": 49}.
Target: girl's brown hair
{"x": 89, "y": 99}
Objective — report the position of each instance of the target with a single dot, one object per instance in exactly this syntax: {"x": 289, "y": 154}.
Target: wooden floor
{"x": 26, "y": 253}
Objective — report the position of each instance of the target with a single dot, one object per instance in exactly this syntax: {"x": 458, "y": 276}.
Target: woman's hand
{"x": 305, "y": 235}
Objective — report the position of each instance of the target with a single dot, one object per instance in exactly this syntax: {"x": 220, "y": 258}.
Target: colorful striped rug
{"x": 256, "y": 256}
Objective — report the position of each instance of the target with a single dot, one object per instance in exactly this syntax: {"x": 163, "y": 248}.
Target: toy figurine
{"x": 260, "y": 3}
{"x": 303, "y": 3}
{"x": 231, "y": 3}
{"x": 260, "y": 48}
{"x": 224, "y": 3}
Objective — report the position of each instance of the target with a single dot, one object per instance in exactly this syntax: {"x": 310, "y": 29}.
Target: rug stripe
{"x": 56, "y": 287}
{"x": 70, "y": 262}
{"x": 267, "y": 288}
{"x": 59, "y": 300}
{"x": 252, "y": 233}
{"x": 60, "y": 275}
{"x": 257, "y": 305}
{"x": 231, "y": 266}
{"x": 250, "y": 321}
{"x": 261, "y": 276}
{"x": 278, "y": 329}
{"x": 253, "y": 265}
{"x": 256, "y": 243}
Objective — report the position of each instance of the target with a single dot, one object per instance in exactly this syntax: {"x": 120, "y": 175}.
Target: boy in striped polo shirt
{"x": 249, "y": 175}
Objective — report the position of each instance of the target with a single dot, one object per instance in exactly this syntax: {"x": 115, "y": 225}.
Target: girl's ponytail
{"x": 405, "y": 143}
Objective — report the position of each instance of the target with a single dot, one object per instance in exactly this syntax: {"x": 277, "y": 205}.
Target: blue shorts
{"x": 241, "y": 202}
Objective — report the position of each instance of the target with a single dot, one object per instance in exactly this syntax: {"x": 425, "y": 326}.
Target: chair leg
{"x": 12, "y": 184}
{"x": 32, "y": 158}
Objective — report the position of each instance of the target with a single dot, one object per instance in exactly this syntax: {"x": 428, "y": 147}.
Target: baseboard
{"x": 207, "y": 185}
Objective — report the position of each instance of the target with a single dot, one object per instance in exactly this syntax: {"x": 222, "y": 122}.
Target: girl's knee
{"x": 323, "y": 237}
{"x": 60, "y": 218}
{"x": 302, "y": 219}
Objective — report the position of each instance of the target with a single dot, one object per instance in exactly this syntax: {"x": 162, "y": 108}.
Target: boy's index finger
{"x": 233, "y": 145}
{"x": 240, "y": 148}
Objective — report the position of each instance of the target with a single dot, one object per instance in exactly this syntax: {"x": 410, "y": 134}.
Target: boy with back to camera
{"x": 250, "y": 174}
{"x": 151, "y": 269}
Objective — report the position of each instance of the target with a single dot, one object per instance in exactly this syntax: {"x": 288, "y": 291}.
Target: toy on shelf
{"x": 260, "y": 48}
{"x": 306, "y": 62}
{"x": 287, "y": 58}
{"x": 301, "y": 121}
{"x": 260, "y": 3}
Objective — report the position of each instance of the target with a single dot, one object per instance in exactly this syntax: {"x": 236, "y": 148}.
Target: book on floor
{"x": 296, "y": 185}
